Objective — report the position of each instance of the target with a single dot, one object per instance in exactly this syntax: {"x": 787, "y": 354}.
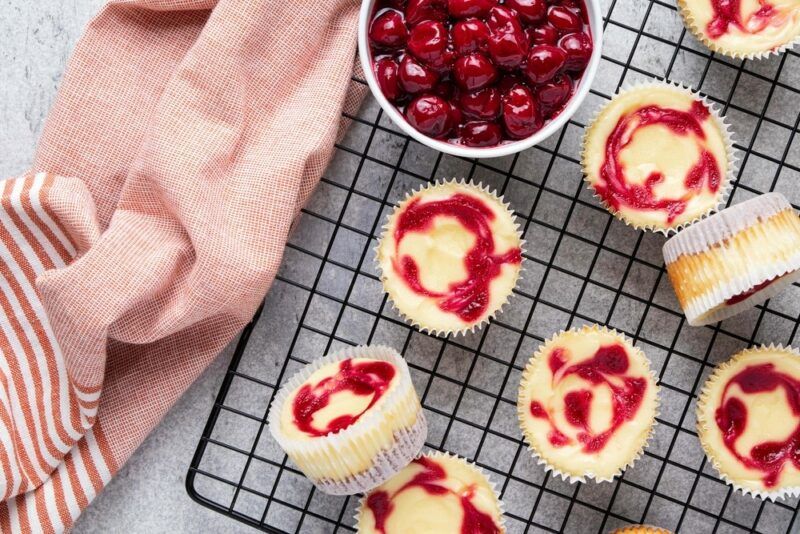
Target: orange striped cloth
{"x": 184, "y": 139}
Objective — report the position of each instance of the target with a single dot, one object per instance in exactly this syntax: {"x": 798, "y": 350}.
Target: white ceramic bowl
{"x": 596, "y": 26}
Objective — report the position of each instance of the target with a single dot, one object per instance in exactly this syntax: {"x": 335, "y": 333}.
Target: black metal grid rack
{"x": 582, "y": 266}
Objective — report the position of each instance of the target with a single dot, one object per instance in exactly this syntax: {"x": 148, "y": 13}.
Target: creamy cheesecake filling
{"x": 657, "y": 157}
{"x": 587, "y": 403}
{"x": 749, "y": 419}
{"x": 434, "y": 493}
{"x": 746, "y": 26}
{"x": 450, "y": 257}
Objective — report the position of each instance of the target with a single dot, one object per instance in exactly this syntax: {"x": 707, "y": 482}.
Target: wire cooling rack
{"x": 582, "y": 266}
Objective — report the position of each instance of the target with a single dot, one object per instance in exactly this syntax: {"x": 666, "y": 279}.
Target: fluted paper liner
{"x": 444, "y": 454}
{"x": 563, "y": 471}
{"x": 333, "y": 453}
{"x": 691, "y": 25}
{"x": 409, "y": 317}
{"x": 717, "y": 231}
{"x": 703, "y": 425}
{"x": 722, "y": 126}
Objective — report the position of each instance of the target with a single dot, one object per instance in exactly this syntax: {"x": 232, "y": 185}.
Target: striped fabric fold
{"x": 184, "y": 139}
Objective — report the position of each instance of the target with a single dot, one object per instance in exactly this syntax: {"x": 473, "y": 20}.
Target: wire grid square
{"x": 582, "y": 266}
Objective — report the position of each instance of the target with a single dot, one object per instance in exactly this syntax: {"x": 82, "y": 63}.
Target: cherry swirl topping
{"x": 468, "y": 298}
{"x": 606, "y": 368}
{"x": 615, "y": 189}
{"x": 430, "y": 479}
{"x": 366, "y": 378}
{"x": 728, "y": 13}
{"x": 768, "y": 457}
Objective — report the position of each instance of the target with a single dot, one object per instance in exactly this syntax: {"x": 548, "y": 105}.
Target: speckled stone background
{"x": 148, "y": 494}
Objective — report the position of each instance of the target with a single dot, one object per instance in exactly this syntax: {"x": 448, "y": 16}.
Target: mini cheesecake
{"x": 735, "y": 259}
{"x": 587, "y": 403}
{"x": 435, "y": 493}
{"x": 450, "y": 257}
{"x": 743, "y": 29}
{"x": 658, "y": 157}
{"x": 350, "y": 420}
{"x": 748, "y": 420}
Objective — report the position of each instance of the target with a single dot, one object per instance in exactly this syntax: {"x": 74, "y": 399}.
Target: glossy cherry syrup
{"x": 627, "y": 392}
{"x": 728, "y": 13}
{"x": 468, "y": 298}
{"x": 454, "y": 49}
{"x": 474, "y": 521}
{"x": 362, "y": 378}
{"x": 617, "y": 191}
{"x": 768, "y": 457}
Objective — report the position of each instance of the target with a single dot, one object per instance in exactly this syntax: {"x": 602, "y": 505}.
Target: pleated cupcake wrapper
{"x": 691, "y": 25}
{"x": 703, "y": 429}
{"x": 560, "y": 471}
{"x": 444, "y": 454}
{"x": 714, "y": 231}
{"x": 725, "y": 131}
{"x": 364, "y": 431}
{"x": 406, "y": 446}
{"x": 415, "y": 322}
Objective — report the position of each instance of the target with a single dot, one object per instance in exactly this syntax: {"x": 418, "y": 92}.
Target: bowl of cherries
{"x": 480, "y": 78}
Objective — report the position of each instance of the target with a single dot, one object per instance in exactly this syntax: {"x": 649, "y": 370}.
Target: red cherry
{"x": 470, "y": 8}
{"x": 544, "y": 62}
{"x": 553, "y": 94}
{"x": 428, "y": 41}
{"x": 470, "y": 35}
{"x": 429, "y": 114}
{"x": 520, "y": 114}
{"x": 421, "y": 10}
{"x": 564, "y": 19}
{"x": 508, "y": 44}
{"x": 544, "y": 34}
{"x": 387, "y": 74}
{"x": 578, "y": 47}
{"x": 530, "y": 11}
{"x": 474, "y": 71}
{"x": 508, "y": 81}
{"x": 481, "y": 133}
{"x": 455, "y": 118}
{"x": 416, "y": 77}
{"x": 483, "y": 104}
{"x": 388, "y": 30}
{"x": 445, "y": 89}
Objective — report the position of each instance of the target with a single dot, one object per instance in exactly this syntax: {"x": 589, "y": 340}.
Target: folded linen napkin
{"x": 184, "y": 139}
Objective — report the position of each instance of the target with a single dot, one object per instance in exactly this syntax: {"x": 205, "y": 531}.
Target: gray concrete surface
{"x": 148, "y": 496}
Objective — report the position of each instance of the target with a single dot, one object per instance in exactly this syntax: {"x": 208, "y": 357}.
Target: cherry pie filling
{"x": 728, "y": 15}
{"x": 479, "y": 73}
{"x": 369, "y": 379}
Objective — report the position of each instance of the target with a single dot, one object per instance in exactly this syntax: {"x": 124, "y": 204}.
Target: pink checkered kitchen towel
{"x": 185, "y": 137}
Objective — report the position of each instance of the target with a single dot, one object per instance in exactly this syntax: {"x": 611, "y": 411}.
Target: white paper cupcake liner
{"x": 444, "y": 454}
{"x": 563, "y": 472}
{"x": 714, "y": 231}
{"x": 335, "y": 449}
{"x": 703, "y": 425}
{"x": 719, "y": 120}
{"x": 405, "y": 448}
{"x": 415, "y": 321}
{"x": 691, "y": 25}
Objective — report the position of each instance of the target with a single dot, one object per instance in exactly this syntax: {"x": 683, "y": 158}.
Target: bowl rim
{"x": 596, "y": 27}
